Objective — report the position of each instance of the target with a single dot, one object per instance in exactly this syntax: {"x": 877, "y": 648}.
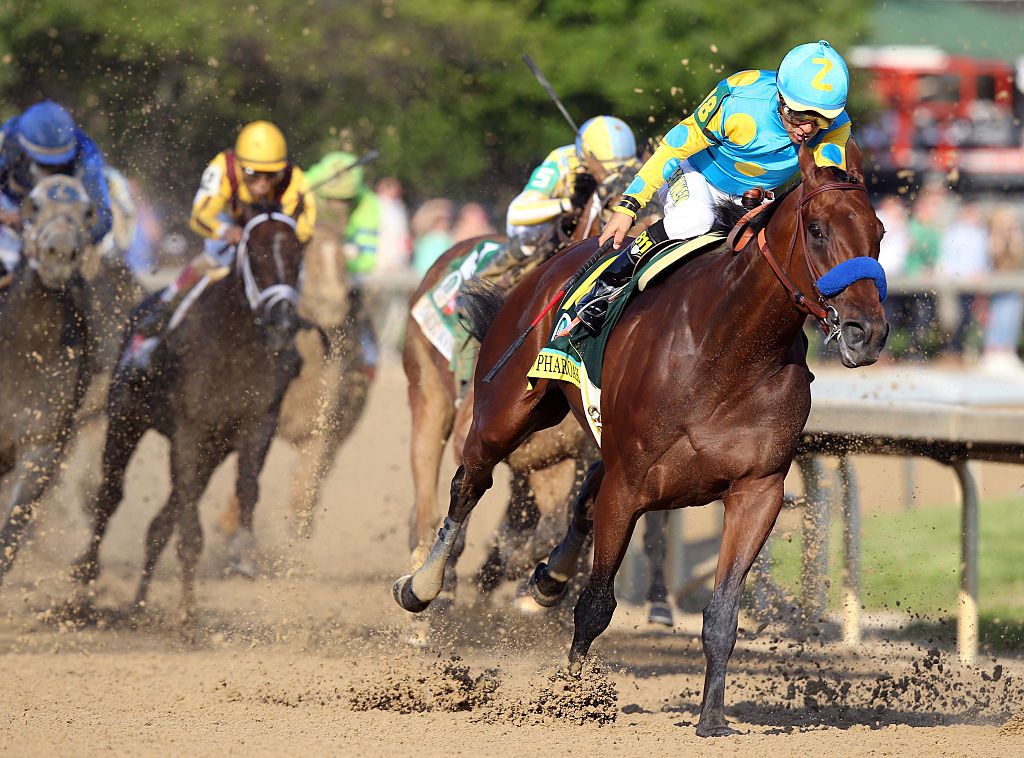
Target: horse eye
{"x": 815, "y": 231}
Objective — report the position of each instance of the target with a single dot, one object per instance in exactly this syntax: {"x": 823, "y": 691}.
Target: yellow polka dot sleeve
{"x": 682, "y": 141}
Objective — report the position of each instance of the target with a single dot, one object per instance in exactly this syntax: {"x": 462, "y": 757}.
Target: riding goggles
{"x": 272, "y": 176}
{"x": 801, "y": 118}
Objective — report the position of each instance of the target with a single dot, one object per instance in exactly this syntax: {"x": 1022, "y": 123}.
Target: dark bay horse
{"x": 44, "y": 349}
{"x": 438, "y": 414}
{"x": 215, "y": 387}
{"x": 705, "y": 393}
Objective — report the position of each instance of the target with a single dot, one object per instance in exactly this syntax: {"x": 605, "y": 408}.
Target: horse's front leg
{"x": 751, "y": 508}
{"x": 252, "y": 453}
{"x": 29, "y": 479}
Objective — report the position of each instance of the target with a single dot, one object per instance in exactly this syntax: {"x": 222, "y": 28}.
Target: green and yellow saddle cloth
{"x": 574, "y": 355}
{"x": 437, "y": 313}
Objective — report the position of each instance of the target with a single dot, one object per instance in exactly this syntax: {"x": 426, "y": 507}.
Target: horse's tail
{"x": 480, "y": 302}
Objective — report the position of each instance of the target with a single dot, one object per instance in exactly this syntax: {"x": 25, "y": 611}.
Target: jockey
{"x": 743, "y": 139}
{"x": 347, "y": 209}
{"x": 44, "y": 140}
{"x": 255, "y": 175}
{"x": 563, "y": 183}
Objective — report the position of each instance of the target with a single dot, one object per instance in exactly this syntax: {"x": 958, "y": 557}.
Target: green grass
{"x": 911, "y": 562}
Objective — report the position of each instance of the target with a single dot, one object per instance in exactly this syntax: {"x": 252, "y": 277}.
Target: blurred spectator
{"x": 896, "y": 242}
{"x": 899, "y": 308}
{"x": 394, "y": 248}
{"x": 472, "y": 221}
{"x": 432, "y": 232}
{"x": 925, "y": 231}
{"x": 1006, "y": 309}
{"x": 963, "y": 255}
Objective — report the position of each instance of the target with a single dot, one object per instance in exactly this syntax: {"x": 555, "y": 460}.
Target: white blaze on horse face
{"x": 278, "y": 259}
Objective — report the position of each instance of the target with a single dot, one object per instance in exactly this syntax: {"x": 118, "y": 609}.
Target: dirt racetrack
{"x": 311, "y": 658}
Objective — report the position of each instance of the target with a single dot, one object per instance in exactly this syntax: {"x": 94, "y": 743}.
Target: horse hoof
{"x": 660, "y": 614}
{"x": 721, "y": 730}
{"x": 405, "y": 597}
{"x": 242, "y": 568}
{"x": 545, "y": 590}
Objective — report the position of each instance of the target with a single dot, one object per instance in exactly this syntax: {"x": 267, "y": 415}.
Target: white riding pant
{"x": 689, "y": 202}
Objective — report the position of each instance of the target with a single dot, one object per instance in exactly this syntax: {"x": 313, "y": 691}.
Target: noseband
{"x": 270, "y": 296}
{"x": 834, "y": 281}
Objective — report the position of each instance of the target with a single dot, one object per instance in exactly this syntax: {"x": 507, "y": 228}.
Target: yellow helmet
{"x": 261, "y": 147}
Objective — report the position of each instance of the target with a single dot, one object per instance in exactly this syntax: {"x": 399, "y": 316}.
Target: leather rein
{"x": 817, "y": 307}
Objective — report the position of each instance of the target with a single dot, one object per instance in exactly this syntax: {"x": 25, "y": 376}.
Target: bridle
{"x": 267, "y": 297}
{"x": 818, "y": 307}
{"x": 61, "y": 196}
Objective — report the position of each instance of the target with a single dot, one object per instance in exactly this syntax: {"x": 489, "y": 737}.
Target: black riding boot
{"x": 593, "y": 307}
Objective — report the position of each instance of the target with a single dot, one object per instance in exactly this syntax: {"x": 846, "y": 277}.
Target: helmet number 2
{"x": 818, "y": 82}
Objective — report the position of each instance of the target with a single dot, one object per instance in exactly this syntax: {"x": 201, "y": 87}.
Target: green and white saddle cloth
{"x": 437, "y": 313}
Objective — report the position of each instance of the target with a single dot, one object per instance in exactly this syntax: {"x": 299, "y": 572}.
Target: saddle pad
{"x": 572, "y": 354}
{"x": 436, "y": 311}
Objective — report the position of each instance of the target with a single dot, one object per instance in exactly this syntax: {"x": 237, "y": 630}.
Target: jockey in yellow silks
{"x": 255, "y": 174}
{"x": 744, "y": 137}
{"x": 563, "y": 184}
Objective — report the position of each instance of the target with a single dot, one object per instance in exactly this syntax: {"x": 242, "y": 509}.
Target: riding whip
{"x": 550, "y": 90}
{"x": 554, "y": 301}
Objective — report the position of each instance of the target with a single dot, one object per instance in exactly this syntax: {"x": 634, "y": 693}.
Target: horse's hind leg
{"x": 433, "y": 414}
{"x": 550, "y": 578}
{"x": 498, "y": 428}
{"x": 750, "y": 512}
{"x": 614, "y": 518}
{"x": 656, "y": 524}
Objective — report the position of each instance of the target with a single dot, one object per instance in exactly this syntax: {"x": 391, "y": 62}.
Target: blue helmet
{"x": 47, "y": 133}
{"x": 814, "y": 77}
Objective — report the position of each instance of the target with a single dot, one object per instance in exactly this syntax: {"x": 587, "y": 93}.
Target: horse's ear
{"x": 808, "y": 169}
{"x": 854, "y": 161}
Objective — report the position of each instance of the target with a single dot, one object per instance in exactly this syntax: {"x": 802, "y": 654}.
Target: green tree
{"x": 438, "y": 87}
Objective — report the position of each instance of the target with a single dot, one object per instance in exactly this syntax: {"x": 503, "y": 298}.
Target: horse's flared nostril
{"x": 854, "y": 334}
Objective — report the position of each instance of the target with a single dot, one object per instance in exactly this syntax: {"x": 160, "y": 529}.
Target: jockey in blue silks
{"x": 44, "y": 140}
{"x": 742, "y": 140}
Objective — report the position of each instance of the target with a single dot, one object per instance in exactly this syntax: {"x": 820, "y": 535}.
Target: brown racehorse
{"x": 705, "y": 392}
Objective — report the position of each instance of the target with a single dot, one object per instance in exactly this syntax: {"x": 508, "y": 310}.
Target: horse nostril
{"x": 854, "y": 334}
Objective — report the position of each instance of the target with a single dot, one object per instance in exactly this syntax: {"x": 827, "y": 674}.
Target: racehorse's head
{"x": 269, "y": 260}
{"x": 57, "y": 217}
{"x": 840, "y": 234}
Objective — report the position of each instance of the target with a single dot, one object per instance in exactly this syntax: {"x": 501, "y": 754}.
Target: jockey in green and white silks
{"x": 563, "y": 184}
{"x": 350, "y": 213}
{"x": 348, "y": 209}
{"x": 745, "y": 136}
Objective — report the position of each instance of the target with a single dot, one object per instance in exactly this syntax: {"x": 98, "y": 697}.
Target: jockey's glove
{"x": 583, "y": 188}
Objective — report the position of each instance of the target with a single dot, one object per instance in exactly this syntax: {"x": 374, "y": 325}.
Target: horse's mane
{"x": 727, "y": 215}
